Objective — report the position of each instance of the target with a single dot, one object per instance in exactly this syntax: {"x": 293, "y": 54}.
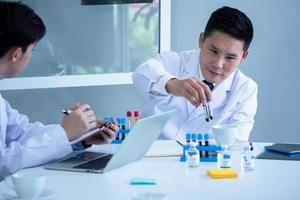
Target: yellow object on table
{"x": 222, "y": 173}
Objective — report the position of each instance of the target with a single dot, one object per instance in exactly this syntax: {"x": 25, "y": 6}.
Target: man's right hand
{"x": 191, "y": 88}
{"x": 81, "y": 120}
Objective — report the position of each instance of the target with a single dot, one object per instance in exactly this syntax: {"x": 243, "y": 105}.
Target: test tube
{"x": 123, "y": 127}
{"x": 188, "y": 138}
{"x": 209, "y": 111}
{"x": 136, "y": 116}
{"x": 129, "y": 115}
{"x": 206, "y": 112}
{"x": 206, "y": 143}
{"x": 199, "y": 137}
{"x": 119, "y": 121}
{"x": 194, "y": 137}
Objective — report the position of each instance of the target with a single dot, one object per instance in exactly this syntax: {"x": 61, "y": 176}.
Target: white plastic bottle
{"x": 248, "y": 159}
{"x": 192, "y": 156}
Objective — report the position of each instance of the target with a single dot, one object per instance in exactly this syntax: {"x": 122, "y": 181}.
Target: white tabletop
{"x": 271, "y": 179}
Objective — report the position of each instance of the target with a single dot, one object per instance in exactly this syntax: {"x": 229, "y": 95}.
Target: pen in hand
{"x": 66, "y": 111}
{"x": 179, "y": 143}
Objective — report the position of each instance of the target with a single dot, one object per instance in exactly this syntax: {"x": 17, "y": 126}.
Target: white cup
{"x": 225, "y": 134}
{"x": 27, "y": 185}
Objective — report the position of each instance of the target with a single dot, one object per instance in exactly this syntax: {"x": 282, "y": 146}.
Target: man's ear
{"x": 201, "y": 40}
{"x": 15, "y": 53}
{"x": 245, "y": 54}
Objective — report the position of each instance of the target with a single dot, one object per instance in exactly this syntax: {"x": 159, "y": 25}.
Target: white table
{"x": 271, "y": 179}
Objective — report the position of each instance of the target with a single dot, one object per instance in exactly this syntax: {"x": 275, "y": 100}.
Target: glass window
{"x": 94, "y": 39}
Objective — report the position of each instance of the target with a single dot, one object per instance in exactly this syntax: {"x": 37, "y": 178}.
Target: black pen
{"x": 66, "y": 111}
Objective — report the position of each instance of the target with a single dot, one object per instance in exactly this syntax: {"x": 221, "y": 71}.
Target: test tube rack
{"x": 121, "y": 132}
{"x": 208, "y": 152}
{"x": 211, "y": 149}
{"x": 125, "y": 124}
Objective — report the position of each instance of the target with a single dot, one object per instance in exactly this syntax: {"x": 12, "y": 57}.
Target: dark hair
{"x": 232, "y": 22}
{"x": 19, "y": 26}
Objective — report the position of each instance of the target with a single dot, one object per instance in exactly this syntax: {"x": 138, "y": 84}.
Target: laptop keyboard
{"x": 84, "y": 156}
{"x": 96, "y": 164}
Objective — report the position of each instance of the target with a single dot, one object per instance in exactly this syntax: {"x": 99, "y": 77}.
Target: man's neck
{"x": 4, "y": 65}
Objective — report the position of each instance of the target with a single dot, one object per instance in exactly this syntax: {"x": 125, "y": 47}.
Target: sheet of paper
{"x": 162, "y": 148}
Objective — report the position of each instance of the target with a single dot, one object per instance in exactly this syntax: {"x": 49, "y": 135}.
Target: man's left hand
{"x": 104, "y": 136}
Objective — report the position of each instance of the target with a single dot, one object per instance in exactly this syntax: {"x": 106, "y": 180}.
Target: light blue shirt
{"x": 234, "y": 99}
{"x": 24, "y": 144}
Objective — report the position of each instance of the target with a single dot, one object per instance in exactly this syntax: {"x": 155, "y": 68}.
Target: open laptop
{"x": 133, "y": 148}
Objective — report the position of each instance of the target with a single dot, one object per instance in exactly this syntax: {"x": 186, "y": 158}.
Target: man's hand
{"x": 81, "y": 120}
{"x": 191, "y": 88}
{"x": 104, "y": 136}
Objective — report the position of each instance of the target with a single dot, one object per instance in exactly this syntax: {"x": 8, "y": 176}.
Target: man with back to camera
{"x": 175, "y": 80}
{"x": 24, "y": 144}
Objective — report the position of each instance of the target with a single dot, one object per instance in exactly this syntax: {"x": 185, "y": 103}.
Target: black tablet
{"x": 284, "y": 148}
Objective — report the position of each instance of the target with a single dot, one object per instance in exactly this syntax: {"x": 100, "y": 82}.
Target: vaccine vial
{"x": 225, "y": 160}
{"x": 248, "y": 159}
{"x": 192, "y": 156}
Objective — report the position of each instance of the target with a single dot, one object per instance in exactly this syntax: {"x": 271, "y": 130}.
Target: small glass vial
{"x": 192, "y": 156}
{"x": 248, "y": 159}
{"x": 225, "y": 161}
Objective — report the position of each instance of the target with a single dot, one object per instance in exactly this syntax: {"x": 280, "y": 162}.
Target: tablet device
{"x": 284, "y": 148}
{"x": 92, "y": 132}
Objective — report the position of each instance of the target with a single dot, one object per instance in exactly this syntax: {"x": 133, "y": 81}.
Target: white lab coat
{"x": 234, "y": 99}
{"x": 24, "y": 144}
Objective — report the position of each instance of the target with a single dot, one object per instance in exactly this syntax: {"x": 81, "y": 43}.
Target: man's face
{"x": 22, "y": 60}
{"x": 220, "y": 55}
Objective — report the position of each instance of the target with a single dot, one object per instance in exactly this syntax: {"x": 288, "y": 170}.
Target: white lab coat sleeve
{"x": 244, "y": 112}
{"x": 149, "y": 76}
{"x": 29, "y": 144}
{"x": 160, "y": 86}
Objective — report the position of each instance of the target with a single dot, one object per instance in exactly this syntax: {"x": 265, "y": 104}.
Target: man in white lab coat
{"x": 175, "y": 80}
{"x": 25, "y": 144}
